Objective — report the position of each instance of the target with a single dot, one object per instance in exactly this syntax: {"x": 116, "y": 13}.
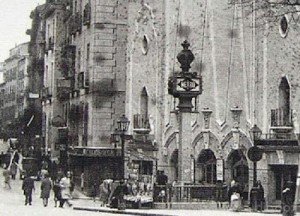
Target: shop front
{"x": 91, "y": 165}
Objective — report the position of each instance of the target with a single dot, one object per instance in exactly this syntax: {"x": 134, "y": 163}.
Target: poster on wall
{"x": 220, "y": 169}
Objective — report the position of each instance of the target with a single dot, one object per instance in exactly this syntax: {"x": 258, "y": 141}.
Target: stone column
{"x": 184, "y": 151}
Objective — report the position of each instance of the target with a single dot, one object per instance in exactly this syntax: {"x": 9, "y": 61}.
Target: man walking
{"x": 45, "y": 189}
{"x": 27, "y": 187}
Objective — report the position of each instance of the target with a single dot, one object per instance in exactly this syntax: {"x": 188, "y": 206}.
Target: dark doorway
{"x": 283, "y": 174}
{"x": 239, "y": 170}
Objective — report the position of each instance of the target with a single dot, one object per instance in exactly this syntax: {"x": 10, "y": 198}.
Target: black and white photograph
{"x": 149, "y": 107}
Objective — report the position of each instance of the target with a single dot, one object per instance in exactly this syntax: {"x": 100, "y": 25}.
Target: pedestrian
{"x": 6, "y": 175}
{"x": 94, "y": 191}
{"x": 13, "y": 170}
{"x": 56, "y": 191}
{"x": 261, "y": 196}
{"x": 287, "y": 200}
{"x": 120, "y": 191}
{"x": 46, "y": 187}
{"x": 234, "y": 195}
{"x": 219, "y": 193}
{"x": 82, "y": 181}
{"x": 65, "y": 185}
{"x": 254, "y": 197}
{"x": 28, "y": 187}
{"x": 104, "y": 192}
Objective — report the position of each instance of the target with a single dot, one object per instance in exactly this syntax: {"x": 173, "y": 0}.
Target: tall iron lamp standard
{"x": 254, "y": 152}
{"x": 123, "y": 124}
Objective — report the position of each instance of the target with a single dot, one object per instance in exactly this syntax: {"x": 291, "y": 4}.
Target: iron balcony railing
{"x": 281, "y": 118}
{"x": 280, "y": 136}
{"x": 141, "y": 122}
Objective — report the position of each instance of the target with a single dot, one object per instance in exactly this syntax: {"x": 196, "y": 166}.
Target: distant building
{"x": 14, "y": 91}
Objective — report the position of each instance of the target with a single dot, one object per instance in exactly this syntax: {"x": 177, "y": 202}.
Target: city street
{"x": 12, "y": 203}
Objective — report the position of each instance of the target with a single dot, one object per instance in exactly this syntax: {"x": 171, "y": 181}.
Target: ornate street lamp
{"x": 255, "y": 153}
{"x": 255, "y": 133}
{"x": 123, "y": 124}
{"x": 185, "y": 86}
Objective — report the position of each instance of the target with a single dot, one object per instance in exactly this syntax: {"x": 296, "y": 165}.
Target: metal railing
{"x": 281, "y": 118}
{"x": 280, "y": 136}
{"x": 189, "y": 193}
{"x": 141, "y": 121}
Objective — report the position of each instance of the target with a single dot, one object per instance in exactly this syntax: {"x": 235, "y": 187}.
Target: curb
{"x": 119, "y": 211}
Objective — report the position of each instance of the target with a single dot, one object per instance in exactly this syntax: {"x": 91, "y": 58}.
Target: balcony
{"x": 281, "y": 120}
{"x": 278, "y": 139}
{"x": 141, "y": 124}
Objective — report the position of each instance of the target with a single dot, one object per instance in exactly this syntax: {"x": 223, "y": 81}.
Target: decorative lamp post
{"x": 123, "y": 124}
{"x": 185, "y": 86}
{"x": 255, "y": 153}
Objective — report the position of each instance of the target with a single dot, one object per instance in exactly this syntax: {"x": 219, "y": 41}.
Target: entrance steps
{"x": 211, "y": 205}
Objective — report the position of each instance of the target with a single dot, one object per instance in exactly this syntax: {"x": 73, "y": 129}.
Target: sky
{"x": 14, "y": 21}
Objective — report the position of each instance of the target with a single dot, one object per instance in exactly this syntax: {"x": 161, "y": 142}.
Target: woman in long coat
{"x": 46, "y": 187}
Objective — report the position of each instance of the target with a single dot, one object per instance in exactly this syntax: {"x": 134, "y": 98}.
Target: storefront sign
{"x": 99, "y": 152}
{"x": 220, "y": 169}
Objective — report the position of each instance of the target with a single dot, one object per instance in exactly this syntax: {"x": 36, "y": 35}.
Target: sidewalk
{"x": 84, "y": 203}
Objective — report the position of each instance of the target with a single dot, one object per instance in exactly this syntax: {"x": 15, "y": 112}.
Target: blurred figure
{"x": 13, "y": 170}
{"x": 6, "y": 175}
{"x": 287, "y": 200}
{"x": 82, "y": 181}
{"x": 65, "y": 185}
{"x": 104, "y": 192}
{"x": 56, "y": 191}
{"x": 261, "y": 196}
{"x": 28, "y": 187}
{"x": 46, "y": 187}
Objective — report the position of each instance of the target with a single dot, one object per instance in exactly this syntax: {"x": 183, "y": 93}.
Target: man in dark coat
{"x": 119, "y": 193}
{"x": 27, "y": 187}
{"x": 261, "y": 196}
{"x": 46, "y": 187}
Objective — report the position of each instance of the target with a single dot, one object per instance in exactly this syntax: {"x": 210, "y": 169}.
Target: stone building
{"x": 14, "y": 92}
{"x": 79, "y": 48}
{"x": 249, "y": 70}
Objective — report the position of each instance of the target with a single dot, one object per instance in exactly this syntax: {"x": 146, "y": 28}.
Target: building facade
{"x": 249, "y": 73}
{"x": 14, "y": 91}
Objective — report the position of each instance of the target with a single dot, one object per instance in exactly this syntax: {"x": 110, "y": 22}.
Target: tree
{"x": 271, "y": 10}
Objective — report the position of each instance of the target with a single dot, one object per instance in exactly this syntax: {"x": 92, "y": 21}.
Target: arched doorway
{"x": 205, "y": 172}
{"x": 239, "y": 170}
{"x": 174, "y": 164}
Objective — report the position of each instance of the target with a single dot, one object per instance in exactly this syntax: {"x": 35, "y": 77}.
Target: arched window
{"x": 144, "y": 103}
{"x": 284, "y": 101}
{"x": 206, "y": 167}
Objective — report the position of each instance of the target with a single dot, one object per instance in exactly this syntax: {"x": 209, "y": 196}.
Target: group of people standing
{"x": 61, "y": 187}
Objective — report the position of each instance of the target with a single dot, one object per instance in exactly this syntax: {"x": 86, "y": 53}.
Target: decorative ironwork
{"x": 185, "y": 57}
{"x": 141, "y": 124}
{"x": 185, "y": 85}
